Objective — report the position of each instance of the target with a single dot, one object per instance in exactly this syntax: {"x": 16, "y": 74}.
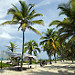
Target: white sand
{"x": 59, "y": 68}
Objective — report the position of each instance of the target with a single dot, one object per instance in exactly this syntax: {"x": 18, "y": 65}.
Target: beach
{"x": 59, "y": 68}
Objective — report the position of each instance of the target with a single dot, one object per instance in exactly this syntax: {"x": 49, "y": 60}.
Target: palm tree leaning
{"x": 47, "y": 41}
{"x": 24, "y": 18}
{"x": 31, "y": 46}
{"x": 12, "y": 47}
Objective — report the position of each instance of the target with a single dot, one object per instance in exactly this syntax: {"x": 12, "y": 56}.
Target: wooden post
{"x": 1, "y": 63}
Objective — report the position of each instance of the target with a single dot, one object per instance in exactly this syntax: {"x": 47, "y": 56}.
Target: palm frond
{"x": 38, "y": 49}
{"x": 65, "y": 36}
{"x": 55, "y": 22}
{"x": 35, "y": 43}
{"x": 65, "y": 9}
{"x": 15, "y": 8}
{"x": 31, "y": 6}
{"x": 42, "y": 42}
{"x": 11, "y": 11}
{"x": 25, "y": 49}
{"x": 71, "y": 40}
{"x": 24, "y": 8}
{"x": 9, "y": 22}
{"x": 31, "y": 28}
{"x": 19, "y": 27}
{"x": 38, "y": 22}
{"x": 18, "y": 15}
{"x": 35, "y": 53}
{"x": 33, "y": 16}
{"x": 43, "y": 37}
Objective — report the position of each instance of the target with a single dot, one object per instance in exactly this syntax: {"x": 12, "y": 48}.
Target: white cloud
{"x": 46, "y": 2}
{"x": 5, "y": 36}
{"x": 5, "y": 5}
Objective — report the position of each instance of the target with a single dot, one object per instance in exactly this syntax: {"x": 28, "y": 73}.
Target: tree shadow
{"x": 1, "y": 71}
{"x": 60, "y": 72}
{"x": 17, "y": 68}
{"x": 14, "y": 69}
{"x": 68, "y": 63}
{"x": 58, "y": 67}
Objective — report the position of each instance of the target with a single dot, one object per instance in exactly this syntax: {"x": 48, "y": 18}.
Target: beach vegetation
{"x": 32, "y": 47}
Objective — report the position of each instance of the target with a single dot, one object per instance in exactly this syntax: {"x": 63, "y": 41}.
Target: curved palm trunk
{"x": 22, "y": 52}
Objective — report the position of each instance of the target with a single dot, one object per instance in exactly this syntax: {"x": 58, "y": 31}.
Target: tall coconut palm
{"x": 12, "y": 47}
{"x": 31, "y": 46}
{"x": 47, "y": 39}
{"x": 68, "y": 24}
{"x": 24, "y": 17}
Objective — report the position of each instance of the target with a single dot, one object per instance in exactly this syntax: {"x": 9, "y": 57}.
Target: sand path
{"x": 59, "y": 68}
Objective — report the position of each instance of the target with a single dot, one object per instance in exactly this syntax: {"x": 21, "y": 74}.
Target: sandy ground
{"x": 59, "y": 68}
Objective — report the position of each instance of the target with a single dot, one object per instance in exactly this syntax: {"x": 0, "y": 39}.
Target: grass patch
{"x": 5, "y": 65}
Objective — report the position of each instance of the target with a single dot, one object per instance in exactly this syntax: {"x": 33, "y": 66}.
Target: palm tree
{"x": 61, "y": 46}
{"x": 31, "y": 46}
{"x": 67, "y": 30}
{"x": 12, "y": 47}
{"x": 24, "y": 17}
{"x": 68, "y": 24}
{"x": 48, "y": 41}
{"x": 70, "y": 53}
{"x": 48, "y": 48}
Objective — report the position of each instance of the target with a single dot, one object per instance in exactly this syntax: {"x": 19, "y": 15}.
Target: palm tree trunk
{"x": 50, "y": 58}
{"x": 31, "y": 58}
{"x": 22, "y": 52}
{"x": 55, "y": 56}
{"x": 72, "y": 60}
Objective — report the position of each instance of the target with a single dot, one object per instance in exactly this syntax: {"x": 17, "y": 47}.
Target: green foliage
{"x": 67, "y": 24}
{"x": 49, "y": 37}
{"x": 31, "y": 46}
{"x": 12, "y": 47}
{"x": 66, "y": 31}
{"x": 71, "y": 50}
{"x": 24, "y": 16}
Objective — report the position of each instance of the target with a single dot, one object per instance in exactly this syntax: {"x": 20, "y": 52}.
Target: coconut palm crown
{"x": 24, "y": 16}
{"x": 32, "y": 46}
{"x": 12, "y": 47}
{"x": 48, "y": 40}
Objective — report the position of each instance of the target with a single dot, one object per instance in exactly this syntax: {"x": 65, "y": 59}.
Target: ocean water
{"x": 3, "y": 59}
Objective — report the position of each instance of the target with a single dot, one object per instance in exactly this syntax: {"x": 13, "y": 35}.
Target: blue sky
{"x": 10, "y": 33}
